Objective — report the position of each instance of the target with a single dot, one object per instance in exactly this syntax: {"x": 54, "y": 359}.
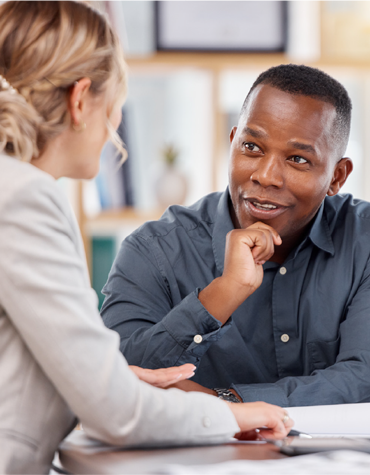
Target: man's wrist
{"x": 236, "y": 394}
{"x": 228, "y": 395}
{"x": 221, "y": 298}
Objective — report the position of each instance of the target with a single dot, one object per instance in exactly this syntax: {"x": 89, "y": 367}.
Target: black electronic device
{"x": 301, "y": 446}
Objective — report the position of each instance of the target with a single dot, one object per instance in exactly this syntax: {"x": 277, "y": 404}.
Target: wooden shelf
{"x": 124, "y": 214}
{"x": 213, "y": 61}
{"x": 221, "y": 61}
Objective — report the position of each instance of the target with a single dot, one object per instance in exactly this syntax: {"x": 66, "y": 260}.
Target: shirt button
{"x": 284, "y": 338}
{"x": 198, "y": 339}
{"x": 282, "y": 270}
{"x": 206, "y": 421}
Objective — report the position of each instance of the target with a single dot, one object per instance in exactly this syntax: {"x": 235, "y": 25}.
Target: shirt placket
{"x": 286, "y": 291}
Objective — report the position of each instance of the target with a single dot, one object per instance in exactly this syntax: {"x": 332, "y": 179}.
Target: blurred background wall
{"x": 191, "y": 65}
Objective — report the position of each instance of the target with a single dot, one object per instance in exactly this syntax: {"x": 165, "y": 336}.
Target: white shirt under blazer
{"x": 57, "y": 360}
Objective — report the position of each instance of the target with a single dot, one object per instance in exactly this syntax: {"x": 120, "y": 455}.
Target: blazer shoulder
{"x": 20, "y": 181}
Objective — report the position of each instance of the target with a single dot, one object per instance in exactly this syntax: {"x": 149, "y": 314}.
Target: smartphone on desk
{"x": 301, "y": 446}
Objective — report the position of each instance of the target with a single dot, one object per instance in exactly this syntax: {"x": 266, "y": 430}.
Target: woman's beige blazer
{"x": 57, "y": 360}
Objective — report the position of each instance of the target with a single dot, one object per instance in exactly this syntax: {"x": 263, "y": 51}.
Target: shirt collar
{"x": 223, "y": 225}
{"x": 319, "y": 233}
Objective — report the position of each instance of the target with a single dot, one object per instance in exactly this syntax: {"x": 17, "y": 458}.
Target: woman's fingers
{"x": 273, "y": 421}
{"x": 277, "y": 431}
{"x": 164, "y": 377}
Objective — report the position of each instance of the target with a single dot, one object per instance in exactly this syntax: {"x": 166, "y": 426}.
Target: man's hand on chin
{"x": 245, "y": 253}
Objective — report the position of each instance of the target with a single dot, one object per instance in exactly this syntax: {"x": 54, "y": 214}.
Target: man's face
{"x": 282, "y": 160}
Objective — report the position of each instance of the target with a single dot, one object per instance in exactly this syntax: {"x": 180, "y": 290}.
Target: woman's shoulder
{"x": 25, "y": 189}
{"x": 31, "y": 196}
{"x": 15, "y": 173}
{"x": 20, "y": 179}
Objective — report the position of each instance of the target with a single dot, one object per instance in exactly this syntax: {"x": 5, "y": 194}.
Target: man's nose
{"x": 269, "y": 172}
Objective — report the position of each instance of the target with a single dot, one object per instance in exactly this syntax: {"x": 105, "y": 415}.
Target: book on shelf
{"x": 114, "y": 183}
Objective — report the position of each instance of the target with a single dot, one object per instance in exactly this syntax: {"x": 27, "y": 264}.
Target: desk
{"x": 139, "y": 461}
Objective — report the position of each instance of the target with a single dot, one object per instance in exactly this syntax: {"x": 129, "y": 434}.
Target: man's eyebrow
{"x": 303, "y": 146}
{"x": 254, "y": 133}
{"x": 299, "y": 145}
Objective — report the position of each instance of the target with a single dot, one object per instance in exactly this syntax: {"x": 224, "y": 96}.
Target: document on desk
{"x": 350, "y": 420}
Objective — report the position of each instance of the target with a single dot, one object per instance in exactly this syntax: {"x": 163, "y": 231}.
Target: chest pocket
{"x": 323, "y": 353}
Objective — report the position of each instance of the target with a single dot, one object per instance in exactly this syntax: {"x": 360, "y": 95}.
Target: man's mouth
{"x": 263, "y": 205}
{"x": 262, "y": 209}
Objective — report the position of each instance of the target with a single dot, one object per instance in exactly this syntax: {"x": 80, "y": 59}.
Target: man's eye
{"x": 298, "y": 159}
{"x": 251, "y": 147}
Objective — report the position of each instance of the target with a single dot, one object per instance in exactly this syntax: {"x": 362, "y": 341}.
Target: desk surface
{"x": 139, "y": 461}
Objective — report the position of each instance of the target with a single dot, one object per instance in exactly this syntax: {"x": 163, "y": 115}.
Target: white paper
{"x": 331, "y": 463}
{"x": 342, "y": 419}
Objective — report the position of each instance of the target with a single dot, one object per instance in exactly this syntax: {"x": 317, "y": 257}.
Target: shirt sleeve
{"x": 139, "y": 306}
{"x": 346, "y": 381}
{"x": 45, "y": 294}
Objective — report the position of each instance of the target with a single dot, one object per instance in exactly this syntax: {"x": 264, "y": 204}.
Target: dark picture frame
{"x": 218, "y": 26}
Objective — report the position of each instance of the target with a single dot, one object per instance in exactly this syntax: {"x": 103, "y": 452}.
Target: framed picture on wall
{"x": 245, "y": 26}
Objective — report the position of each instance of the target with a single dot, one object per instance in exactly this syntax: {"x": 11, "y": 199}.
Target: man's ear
{"x": 233, "y": 132}
{"x": 341, "y": 172}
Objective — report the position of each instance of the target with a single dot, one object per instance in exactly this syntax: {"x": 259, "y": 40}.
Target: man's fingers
{"x": 261, "y": 243}
{"x": 262, "y": 226}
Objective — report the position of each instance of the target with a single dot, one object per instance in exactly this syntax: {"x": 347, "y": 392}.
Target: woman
{"x": 61, "y": 91}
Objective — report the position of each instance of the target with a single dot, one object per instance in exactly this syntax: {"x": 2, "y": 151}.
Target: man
{"x": 266, "y": 287}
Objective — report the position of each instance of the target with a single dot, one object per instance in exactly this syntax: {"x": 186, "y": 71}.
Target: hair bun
{"x": 5, "y": 86}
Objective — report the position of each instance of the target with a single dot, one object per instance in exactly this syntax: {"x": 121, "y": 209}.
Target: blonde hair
{"x": 45, "y": 46}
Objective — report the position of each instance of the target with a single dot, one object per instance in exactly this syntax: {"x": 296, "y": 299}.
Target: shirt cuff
{"x": 267, "y": 392}
{"x": 193, "y": 327}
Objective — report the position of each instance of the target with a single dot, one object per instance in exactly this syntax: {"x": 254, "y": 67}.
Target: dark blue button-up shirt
{"x": 302, "y": 338}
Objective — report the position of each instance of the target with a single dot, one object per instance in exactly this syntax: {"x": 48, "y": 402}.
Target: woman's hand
{"x": 273, "y": 422}
{"x": 163, "y": 377}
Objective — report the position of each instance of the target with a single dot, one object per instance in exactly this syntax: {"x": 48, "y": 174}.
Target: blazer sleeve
{"x": 45, "y": 293}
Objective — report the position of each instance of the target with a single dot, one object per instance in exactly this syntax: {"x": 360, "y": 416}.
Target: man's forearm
{"x": 342, "y": 383}
{"x": 221, "y": 299}
{"x": 189, "y": 386}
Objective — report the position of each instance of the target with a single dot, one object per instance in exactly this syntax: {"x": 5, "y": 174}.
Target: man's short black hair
{"x": 307, "y": 81}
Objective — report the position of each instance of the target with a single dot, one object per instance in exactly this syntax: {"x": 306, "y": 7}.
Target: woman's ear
{"x": 341, "y": 172}
{"x": 77, "y": 99}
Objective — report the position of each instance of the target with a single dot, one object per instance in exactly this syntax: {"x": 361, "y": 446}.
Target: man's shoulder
{"x": 343, "y": 205}
{"x": 347, "y": 213}
{"x": 188, "y": 218}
